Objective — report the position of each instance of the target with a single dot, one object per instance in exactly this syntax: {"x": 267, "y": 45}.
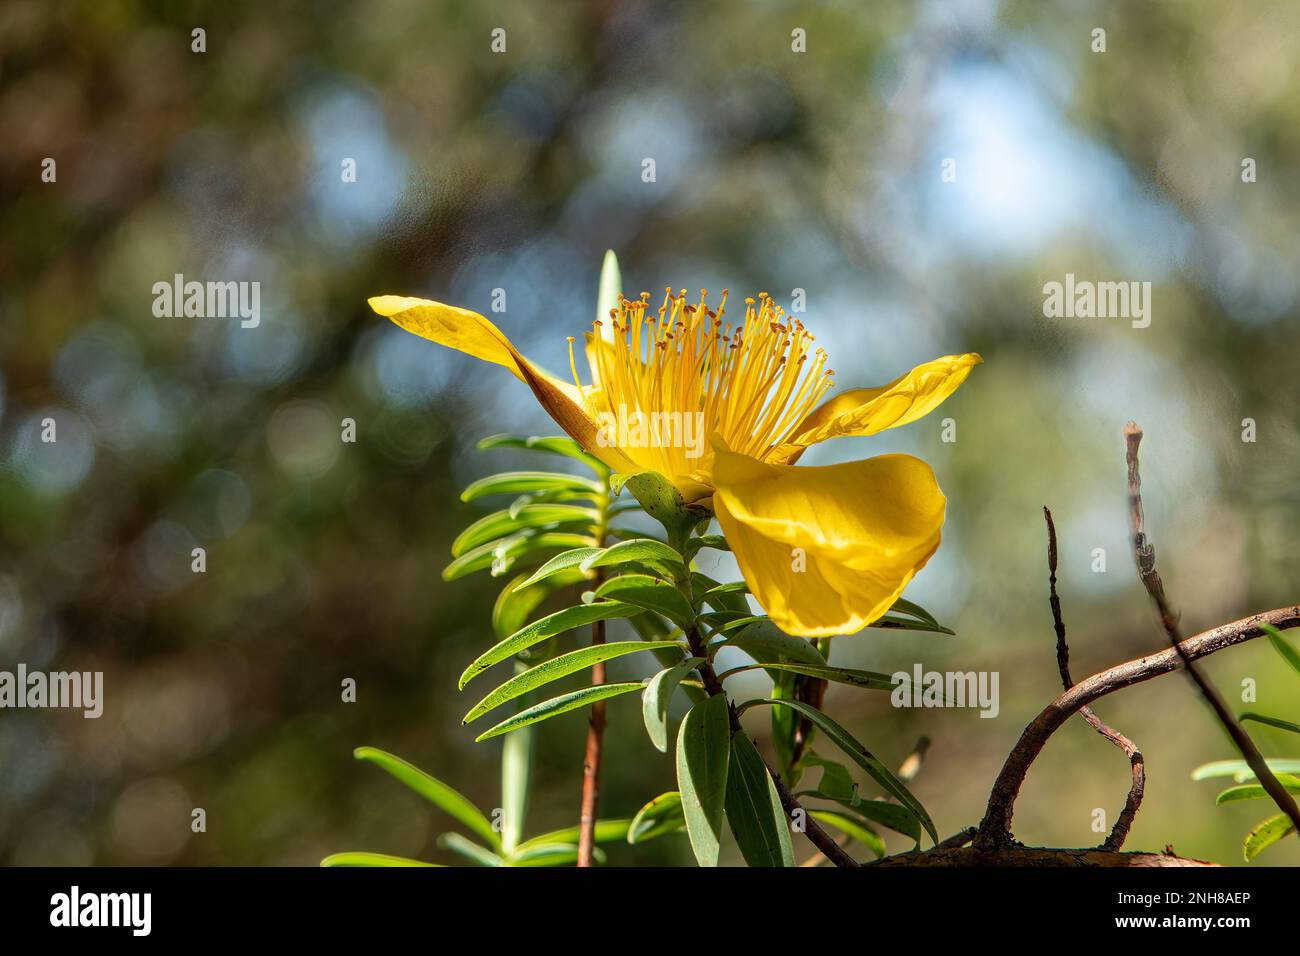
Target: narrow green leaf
{"x": 1277, "y": 722}
{"x": 703, "y": 749}
{"x": 517, "y": 756}
{"x": 555, "y": 668}
{"x": 561, "y": 562}
{"x": 560, "y": 705}
{"x": 658, "y": 695}
{"x": 892, "y": 815}
{"x": 500, "y": 555}
{"x": 608, "y": 291}
{"x": 660, "y": 816}
{"x": 1283, "y": 648}
{"x": 641, "y": 550}
{"x": 435, "y": 791}
{"x": 371, "y": 859}
{"x": 469, "y": 850}
{"x": 754, "y": 810}
{"x": 605, "y": 831}
{"x": 1241, "y": 771}
{"x": 502, "y": 523}
{"x": 519, "y": 482}
{"x": 862, "y": 757}
{"x": 768, "y": 644}
{"x": 651, "y": 594}
{"x": 554, "y": 444}
{"x": 1255, "y": 791}
{"x": 869, "y": 680}
{"x": 1265, "y": 834}
{"x": 715, "y": 541}
{"x": 545, "y": 627}
{"x": 854, "y": 827}
{"x": 904, "y": 606}
{"x": 895, "y": 623}
{"x": 555, "y": 854}
{"x": 836, "y": 782}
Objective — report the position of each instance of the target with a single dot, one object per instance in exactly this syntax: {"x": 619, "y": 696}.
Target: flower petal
{"x": 474, "y": 335}
{"x": 865, "y": 411}
{"x": 864, "y": 529}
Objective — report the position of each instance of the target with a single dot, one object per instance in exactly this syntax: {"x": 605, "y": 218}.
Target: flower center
{"x": 752, "y": 384}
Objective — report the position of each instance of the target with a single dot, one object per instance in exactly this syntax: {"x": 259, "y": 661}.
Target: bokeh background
{"x": 775, "y": 170}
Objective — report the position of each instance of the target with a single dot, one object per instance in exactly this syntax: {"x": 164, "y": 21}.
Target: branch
{"x": 995, "y": 829}
{"x": 1144, "y": 554}
{"x": 1119, "y": 832}
{"x": 591, "y": 761}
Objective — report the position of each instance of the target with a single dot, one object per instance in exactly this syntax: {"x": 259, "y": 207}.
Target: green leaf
{"x": 1255, "y": 791}
{"x": 435, "y": 791}
{"x": 895, "y": 623}
{"x": 658, "y": 695}
{"x": 869, "y": 680}
{"x": 660, "y": 499}
{"x": 897, "y": 818}
{"x": 904, "y": 606}
{"x": 836, "y": 782}
{"x": 715, "y": 541}
{"x": 605, "y": 831}
{"x": 641, "y": 550}
{"x": 555, "y": 668}
{"x": 469, "y": 850}
{"x": 754, "y": 810}
{"x": 768, "y": 644}
{"x": 1241, "y": 771}
{"x": 519, "y": 482}
{"x": 554, "y": 444}
{"x": 554, "y": 854}
{"x": 1277, "y": 722}
{"x": 1266, "y": 834}
{"x": 500, "y": 555}
{"x": 703, "y": 749}
{"x": 545, "y": 627}
{"x": 861, "y": 756}
{"x": 515, "y": 603}
{"x": 561, "y": 562}
{"x": 854, "y": 827}
{"x": 1279, "y": 644}
{"x": 560, "y": 705}
{"x": 720, "y": 597}
{"x": 611, "y": 286}
{"x": 516, "y": 782}
{"x": 371, "y": 859}
{"x": 502, "y": 523}
{"x": 651, "y": 594}
{"x": 660, "y": 816}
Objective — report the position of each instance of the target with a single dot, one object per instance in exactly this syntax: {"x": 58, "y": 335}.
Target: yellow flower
{"x": 724, "y": 413}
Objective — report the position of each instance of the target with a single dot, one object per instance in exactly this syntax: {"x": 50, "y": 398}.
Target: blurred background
{"x": 775, "y": 170}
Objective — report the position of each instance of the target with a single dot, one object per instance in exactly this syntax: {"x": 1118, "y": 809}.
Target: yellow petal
{"x": 827, "y": 550}
{"x": 865, "y": 411}
{"x": 474, "y": 335}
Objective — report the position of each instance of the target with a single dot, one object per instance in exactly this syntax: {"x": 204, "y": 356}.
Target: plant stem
{"x": 789, "y": 802}
{"x": 595, "y": 723}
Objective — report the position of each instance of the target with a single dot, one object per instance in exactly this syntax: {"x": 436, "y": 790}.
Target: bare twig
{"x": 995, "y": 829}
{"x": 1144, "y": 554}
{"x": 1118, "y": 832}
